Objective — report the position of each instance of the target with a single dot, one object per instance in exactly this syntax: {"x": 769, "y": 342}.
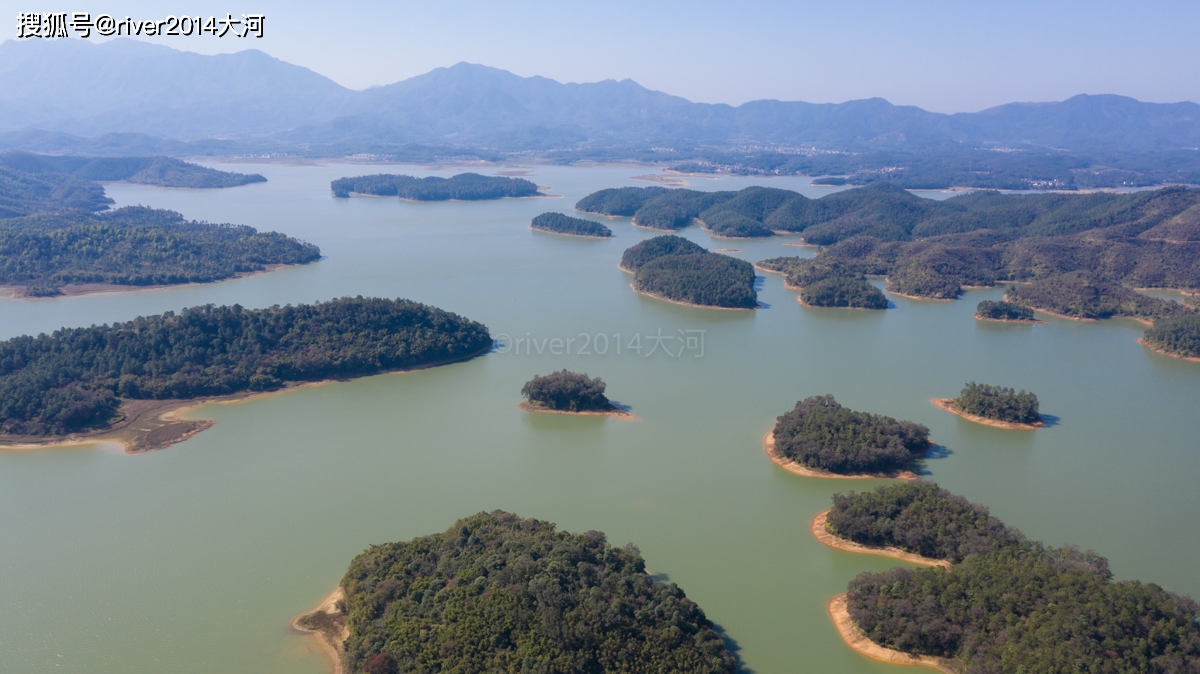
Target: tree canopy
{"x": 843, "y": 291}
{"x": 464, "y": 186}
{"x": 567, "y": 392}
{"x": 565, "y": 224}
{"x": 1178, "y": 336}
{"x": 497, "y": 593}
{"x": 1003, "y": 311}
{"x": 1082, "y": 295}
{"x": 998, "y": 402}
{"x": 74, "y": 379}
{"x": 677, "y": 269}
{"x": 820, "y": 433}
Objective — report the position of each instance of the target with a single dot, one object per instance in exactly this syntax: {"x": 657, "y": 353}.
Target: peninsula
{"x": 820, "y": 438}
{"x": 1178, "y": 337}
{"x": 565, "y": 392}
{"x": 75, "y": 252}
{"x": 994, "y": 406}
{"x": 462, "y": 187}
{"x": 558, "y": 223}
{"x": 124, "y": 382}
{"x": 672, "y": 268}
{"x": 524, "y": 596}
{"x": 158, "y": 171}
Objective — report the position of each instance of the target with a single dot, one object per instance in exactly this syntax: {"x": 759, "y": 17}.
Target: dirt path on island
{"x": 855, "y": 639}
{"x": 817, "y": 527}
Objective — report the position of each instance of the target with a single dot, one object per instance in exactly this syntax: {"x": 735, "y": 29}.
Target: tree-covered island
{"x": 566, "y": 392}
{"x": 461, "y": 187}
{"x": 1004, "y": 312}
{"x": 133, "y": 246}
{"x": 1006, "y": 604}
{"x": 995, "y": 406}
{"x": 565, "y": 224}
{"x": 110, "y": 380}
{"x": 822, "y": 285}
{"x": 1178, "y": 337}
{"x": 497, "y": 593}
{"x": 672, "y": 268}
{"x": 159, "y": 171}
{"x": 822, "y": 438}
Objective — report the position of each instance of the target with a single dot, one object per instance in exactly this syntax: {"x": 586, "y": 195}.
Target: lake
{"x": 193, "y": 559}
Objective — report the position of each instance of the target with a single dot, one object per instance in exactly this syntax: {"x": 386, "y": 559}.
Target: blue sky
{"x": 943, "y": 56}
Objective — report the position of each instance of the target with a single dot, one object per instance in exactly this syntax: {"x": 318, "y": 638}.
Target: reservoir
{"x": 193, "y": 559}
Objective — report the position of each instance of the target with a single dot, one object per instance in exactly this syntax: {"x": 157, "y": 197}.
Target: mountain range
{"x": 65, "y": 90}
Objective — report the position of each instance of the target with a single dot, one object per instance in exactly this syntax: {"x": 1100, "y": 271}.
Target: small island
{"x": 462, "y": 187}
{"x": 995, "y": 406}
{"x": 49, "y": 254}
{"x": 1004, "y": 312}
{"x": 1007, "y": 604}
{"x": 1178, "y": 337}
{"x": 820, "y": 438}
{"x": 565, "y": 392}
{"x": 125, "y": 382}
{"x": 674, "y": 269}
{"x": 558, "y": 223}
{"x": 523, "y": 596}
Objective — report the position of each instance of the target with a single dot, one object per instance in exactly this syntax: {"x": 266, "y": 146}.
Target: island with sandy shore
{"x": 524, "y": 596}
{"x": 128, "y": 382}
{"x": 557, "y": 223}
{"x": 821, "y": 438}
{"x": 566, "y": 392}
{"x": 53, "y": 254}
{"x": 995, "y": 406}
{"x": 672, "y": 268}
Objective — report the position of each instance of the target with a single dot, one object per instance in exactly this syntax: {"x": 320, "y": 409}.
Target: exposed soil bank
{"x": 327, "y": 624}
{"x": 611, "y": 412}
{"x": 855, "y": 639}
{"x": 817, "y": 527}
{"x": 1155, "y": 349}
{"x": 793, "y": 467}
{"x": 948, "y": 405}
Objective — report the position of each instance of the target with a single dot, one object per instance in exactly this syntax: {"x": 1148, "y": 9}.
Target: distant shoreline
{"x": 17, "y": 292}
{"x": 839, "y": 612}
{"x": 151, "y": 425}
{"x": 1143, "y": 342}
{"x": 611, "y": 412}
{"x": 332, "y": 643}
{"x": 817, "y": 527}
{"x": 948, "y": 405}
{"x": 799, "y": 469}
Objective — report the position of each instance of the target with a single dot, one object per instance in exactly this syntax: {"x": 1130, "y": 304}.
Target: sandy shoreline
{"x": 918, "y": 298}
{"x": 1143, "y": 342}
{"x": 793, "y": 467}
{"x": 948, "y": 405}
{"x": 612, "y": 412}
{"x": 331, "y": 636}
{"x": 1032, "y": 321}
{"x": 579, "y": 236}
{"x": 817, "y": 527}
{"x": 149, "y": 425}
{"x": 685, "y": 304}
{"x": 854, "y": 638}
{"x": 77, "y": 289}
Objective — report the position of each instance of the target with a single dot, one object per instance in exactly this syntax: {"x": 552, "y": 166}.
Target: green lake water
{"x": 193, "y": 559}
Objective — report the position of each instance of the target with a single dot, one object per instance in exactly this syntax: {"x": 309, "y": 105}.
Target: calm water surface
{"x": 193, "y": 559}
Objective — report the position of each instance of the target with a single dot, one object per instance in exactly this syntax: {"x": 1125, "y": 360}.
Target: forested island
{"x": 80, "y": 381}
{"x": 1004, "y": 312}
{"x": 995, "y": 406}
{"x": 497, "y": 593}
{"x": 1082, "y": 295}
{"x": 565, "y": 224}
{"x": 1007, "y": 604}
{"x": 462, "y": 187}
{"x": 822, "y": 438}
{"x": 673, "y": 268}
{"x": 1179, "y": 337}
{"x": 159, "y": 171}
{"x": 566, "y": 392}
{"x": 131, "y": 247}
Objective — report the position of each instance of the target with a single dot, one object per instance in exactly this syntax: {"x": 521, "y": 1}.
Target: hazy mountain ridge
{"x": 129, "y": 87}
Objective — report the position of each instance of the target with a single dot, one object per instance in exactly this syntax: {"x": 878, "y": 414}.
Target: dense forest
{"x": 1177, "y": 336}
{"x": 1029, "y": 608}
{"x": 26, "y": 193}
{"x": 820, "y": 433}
{"x": 1082, "y": 295}
{"x": 74, "y": 379}
{"x": 999, "y": 403}
{"x": 134, "y": 246}
{"x": 921, "y": 518}
{"x": 843, "y": 291}
{"x": 464, "y": 187}
{"x": 622, "y": 201}
{"x": 565, "y": 391}
{"x": 677, "y": 269}
{"x": 1003, "y": 311}
{"x": 497, "y": 593}
{"x": 161, "y": 171}
{"x": 565, "y": 224}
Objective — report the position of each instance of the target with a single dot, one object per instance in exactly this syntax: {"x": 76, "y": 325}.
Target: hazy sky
{"x": 947, "y": 56}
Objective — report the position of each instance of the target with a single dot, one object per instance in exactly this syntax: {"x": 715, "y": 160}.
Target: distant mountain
{"x": 129, "y": 87}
